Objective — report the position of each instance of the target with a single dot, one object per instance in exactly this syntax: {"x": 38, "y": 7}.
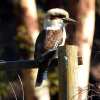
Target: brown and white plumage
{"x": 50, "y": 38}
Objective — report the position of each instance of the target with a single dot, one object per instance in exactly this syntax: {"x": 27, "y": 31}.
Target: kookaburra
{"x": 50, "y": 38}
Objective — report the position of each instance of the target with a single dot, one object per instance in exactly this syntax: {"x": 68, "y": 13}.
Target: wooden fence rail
{"x": 20, "y": 64}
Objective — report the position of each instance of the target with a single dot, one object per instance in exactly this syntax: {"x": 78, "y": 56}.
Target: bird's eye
{"x": 65, "y": 20}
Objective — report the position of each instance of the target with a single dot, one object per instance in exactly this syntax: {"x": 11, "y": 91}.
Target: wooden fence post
{"x": 68, "y": 73}
{"x": 72, "y": 75}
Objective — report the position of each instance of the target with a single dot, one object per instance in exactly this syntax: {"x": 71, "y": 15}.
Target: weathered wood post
{"x": 68, "y": 65}
{"x": 72, "y": 66}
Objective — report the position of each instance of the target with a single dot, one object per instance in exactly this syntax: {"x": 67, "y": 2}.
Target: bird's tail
{"x": 42, "y": 75}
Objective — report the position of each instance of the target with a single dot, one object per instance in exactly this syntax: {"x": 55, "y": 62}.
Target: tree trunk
{"x": 85, "y": 15}
{"x": 84, "y": 39}
{"x": 30, "y": 19}
{"x": 30, "y": 75}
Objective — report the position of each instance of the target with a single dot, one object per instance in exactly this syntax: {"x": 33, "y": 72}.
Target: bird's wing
{"x": 39, "y": 46}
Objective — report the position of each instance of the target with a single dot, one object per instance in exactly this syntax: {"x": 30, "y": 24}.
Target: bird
{"x": 52, "y": 36}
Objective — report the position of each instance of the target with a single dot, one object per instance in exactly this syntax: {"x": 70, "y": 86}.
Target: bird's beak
{"x": 66, "y": 20}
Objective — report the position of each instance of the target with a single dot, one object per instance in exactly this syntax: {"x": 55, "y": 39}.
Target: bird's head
{"x": 56, "y": 18}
